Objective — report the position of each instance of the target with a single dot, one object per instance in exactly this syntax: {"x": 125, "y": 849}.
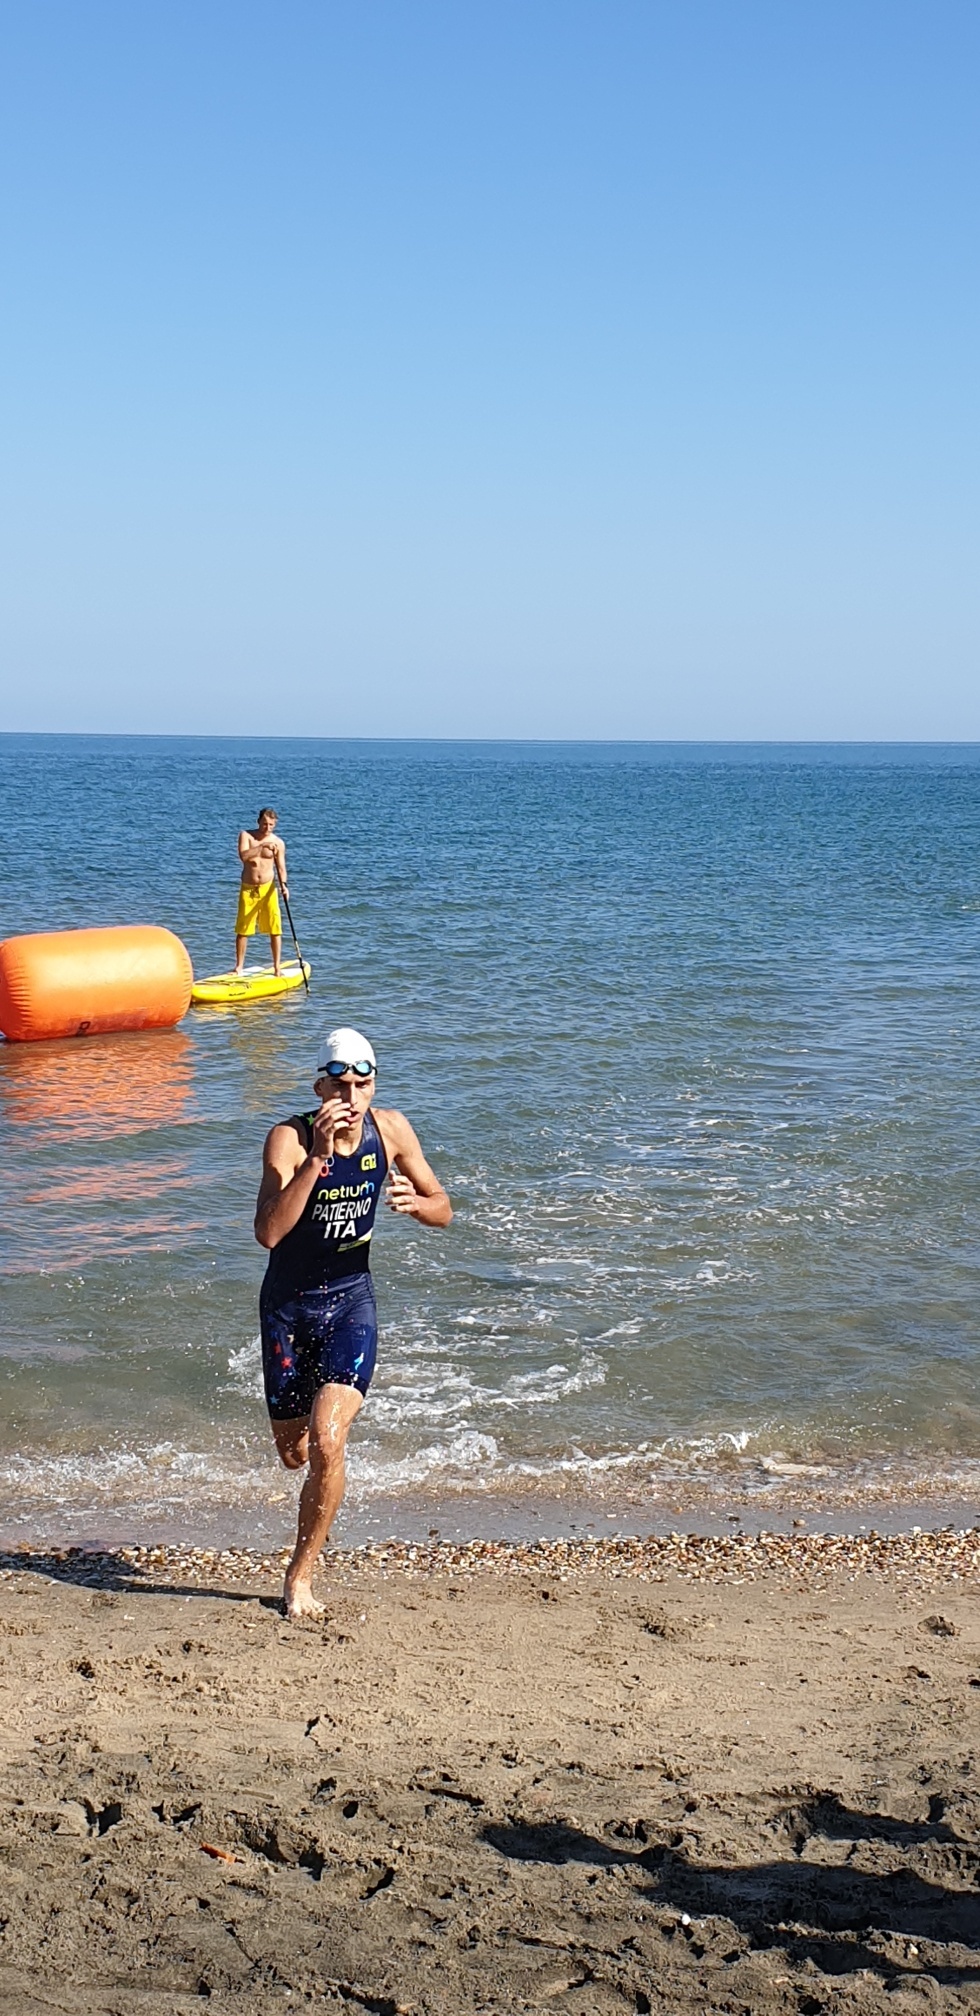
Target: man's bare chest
{"x": 261, "y": 864}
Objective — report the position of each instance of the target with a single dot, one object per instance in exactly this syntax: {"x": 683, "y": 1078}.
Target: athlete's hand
{"x": 402, "y": 1194}
{"x": 335, "y": 1114}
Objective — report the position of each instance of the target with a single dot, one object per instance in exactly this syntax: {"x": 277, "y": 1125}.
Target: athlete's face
{"x": 357, "y": 1093}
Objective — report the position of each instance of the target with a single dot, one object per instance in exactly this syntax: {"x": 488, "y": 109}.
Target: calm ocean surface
{"x": 692, "y": 1034}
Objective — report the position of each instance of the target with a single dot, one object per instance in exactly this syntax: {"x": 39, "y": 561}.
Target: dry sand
{"x": 727, "y": 1778}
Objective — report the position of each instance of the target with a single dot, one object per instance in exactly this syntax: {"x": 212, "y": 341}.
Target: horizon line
{"x": 515, "y": 741}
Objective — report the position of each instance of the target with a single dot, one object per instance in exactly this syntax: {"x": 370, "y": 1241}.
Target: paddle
{"x": 292, "y": 927}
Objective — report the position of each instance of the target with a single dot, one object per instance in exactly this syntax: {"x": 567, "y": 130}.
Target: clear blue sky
{"x": 491, "y": 367}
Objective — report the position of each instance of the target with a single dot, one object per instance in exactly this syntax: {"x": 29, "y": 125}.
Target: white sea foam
{"x": 474, "y": 1462}
{"x": 192, "y": 1486}
{"x": 157, "y": 1475}
{"x": 466, "y": 1461}
{"x": 245, "y": 1369}
{"x": 403, "y": 1393}
{"x": 698, "y": 1448}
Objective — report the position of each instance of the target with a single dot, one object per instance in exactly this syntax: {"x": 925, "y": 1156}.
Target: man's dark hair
{"x": 266, "y": 812}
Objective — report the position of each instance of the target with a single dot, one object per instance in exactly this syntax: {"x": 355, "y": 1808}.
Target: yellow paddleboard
{"x": 255, "y": 984}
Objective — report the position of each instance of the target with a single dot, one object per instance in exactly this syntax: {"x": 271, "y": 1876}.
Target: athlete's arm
{"x": 414, "y": 1189}
{"x": 285, "y": 1187}
{"x": 248, "y": 846}
{"x": 280, "y": 845}
{"x": 289, "y": 1176}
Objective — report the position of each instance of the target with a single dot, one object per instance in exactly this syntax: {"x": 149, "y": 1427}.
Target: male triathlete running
{"x": 321, "y": 1185}
{"x": 260, "y": 852}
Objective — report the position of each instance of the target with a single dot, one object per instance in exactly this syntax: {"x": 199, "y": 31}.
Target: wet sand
{"x": 728, "y": 1774}
{"x": 149, "y": 1504}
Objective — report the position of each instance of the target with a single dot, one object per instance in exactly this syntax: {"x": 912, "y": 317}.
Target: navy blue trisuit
{"x": 319, "y": 1324}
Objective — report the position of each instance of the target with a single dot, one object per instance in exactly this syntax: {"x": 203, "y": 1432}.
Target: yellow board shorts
{"x": 258, "y": 910}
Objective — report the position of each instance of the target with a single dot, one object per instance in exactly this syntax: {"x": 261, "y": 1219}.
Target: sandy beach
{"x": 730, "y": 1774}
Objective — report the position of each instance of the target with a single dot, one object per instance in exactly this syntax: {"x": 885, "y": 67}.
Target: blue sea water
{"x": 691, "y": 1033}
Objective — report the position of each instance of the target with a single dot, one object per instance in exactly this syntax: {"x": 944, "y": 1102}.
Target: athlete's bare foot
{"x": 298, "y": 1600}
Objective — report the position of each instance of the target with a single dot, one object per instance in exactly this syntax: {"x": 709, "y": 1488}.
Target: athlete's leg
{"x": 240, "y": 944}
{"x": 290, "y": 1376}
{"x": 333, "y": 1411}
{"x": 292, "y": 1442}
{"x": 276, "y": 943}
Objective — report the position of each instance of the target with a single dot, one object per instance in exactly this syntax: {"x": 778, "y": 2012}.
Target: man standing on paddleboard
{"x": 321, "y": 1185}
{"x": 260, "y": 851}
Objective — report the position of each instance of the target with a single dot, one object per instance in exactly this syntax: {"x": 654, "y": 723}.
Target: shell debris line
{"x": 918, "y": 1557}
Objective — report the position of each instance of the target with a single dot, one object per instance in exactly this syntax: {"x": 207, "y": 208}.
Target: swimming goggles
{"x": 338, "y": 1069}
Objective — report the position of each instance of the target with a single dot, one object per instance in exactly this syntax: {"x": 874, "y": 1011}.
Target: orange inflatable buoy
{"x": 87, "y": 983}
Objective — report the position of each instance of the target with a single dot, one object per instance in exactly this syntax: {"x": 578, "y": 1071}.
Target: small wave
{"x": 461, "y": 1462}
{"x": 158, "y": 1475}
{"x": 396, "y": 1401}
{"x": 473, "y": 1461}
{"x": 708, "y": 1274}
{"x": 534, "y": 1389}
{"x": 698, "y": 1447}
{"x": 129, "y": 1488}
{"x": 398, "y": 1398}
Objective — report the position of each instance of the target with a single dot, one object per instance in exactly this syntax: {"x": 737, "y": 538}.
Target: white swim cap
{"x": 344, "y": 1046}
